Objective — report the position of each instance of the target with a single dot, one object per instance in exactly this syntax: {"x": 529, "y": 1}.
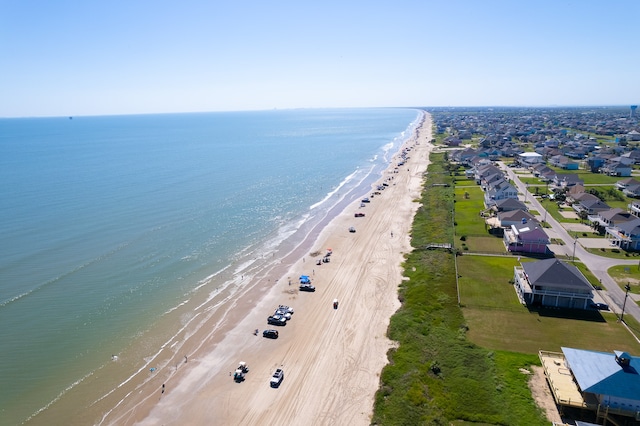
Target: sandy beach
{"x": 332, "y": 358}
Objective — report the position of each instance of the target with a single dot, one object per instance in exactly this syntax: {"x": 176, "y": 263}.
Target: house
{"x": 608, "y": 382}
{"x": 575, "y": 191}
{"x": 625, "y": 235}
{"x": 509, "y": 204}
{"x": 632, "y": 191}
{"x": 616, "y": 168}
{"x": 504, "y": 190}
{"x": 486, "y": 171}
{"x": 526, "y": 237}
{"x": 633, "y": 136}
{"x": 515, "y": 217}
{"x": 595, "y": 163}
{"x": 590, "y": 205}
{"x": 563, "y": 162}
{"x": 601, "y": 220}
{"x": 553, "y": 283}
{"x": 623, "y": 183}
{"x": 530, "y": 158}
{"x": 452, "y": 141}
{"x": 567, "y": 181}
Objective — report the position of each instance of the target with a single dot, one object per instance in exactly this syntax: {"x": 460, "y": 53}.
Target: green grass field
{"x": 497, "y": 320}
{"x": 459, "y": 366}
{"x": 627, "y": 274}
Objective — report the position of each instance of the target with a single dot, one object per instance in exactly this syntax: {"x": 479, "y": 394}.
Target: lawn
{"x": 489, "y": 244}
{"x": 469, "y": 203}
{"x": 627, "y": 274}
{"x": 498, "y": 321}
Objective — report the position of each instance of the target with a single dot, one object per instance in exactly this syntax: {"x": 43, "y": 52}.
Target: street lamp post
{"x": 574, "y": 248}
{"x": 627, "y": 287}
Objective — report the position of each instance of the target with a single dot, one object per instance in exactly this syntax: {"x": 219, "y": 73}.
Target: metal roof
{"x": 600, "y": 373}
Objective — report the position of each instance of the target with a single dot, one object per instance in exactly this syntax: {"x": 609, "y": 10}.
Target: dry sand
{"x": 332, "y": 359}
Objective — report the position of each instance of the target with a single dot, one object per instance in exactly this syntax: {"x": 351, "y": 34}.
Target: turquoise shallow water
{"x": 107, "y": 223}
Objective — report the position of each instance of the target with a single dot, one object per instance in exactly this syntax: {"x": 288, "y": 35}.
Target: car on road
{"x": 359, "y": 214}
{"x": 277, "y": 378}
{"x": 273, "y": 320}
{"x": 270, "y": 334}
{"x": 352, "y": 229}
{"x": 307, "y": 287}
{"x": 366, "y": 200}
{"x": 600, "y": 306}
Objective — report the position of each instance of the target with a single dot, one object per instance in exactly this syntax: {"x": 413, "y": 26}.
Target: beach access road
{"x": 332, "y": 357}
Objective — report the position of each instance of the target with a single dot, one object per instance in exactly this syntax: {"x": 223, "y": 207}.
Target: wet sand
{"x": 332, "y": 358}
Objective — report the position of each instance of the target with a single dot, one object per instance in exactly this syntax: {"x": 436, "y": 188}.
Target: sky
{"x": 88, "y": 57}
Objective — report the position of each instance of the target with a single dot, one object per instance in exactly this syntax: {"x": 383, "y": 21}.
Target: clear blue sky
{"x": 89, "y": 57}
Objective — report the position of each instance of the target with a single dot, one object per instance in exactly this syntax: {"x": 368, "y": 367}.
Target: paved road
{"x": 598, "y": 265}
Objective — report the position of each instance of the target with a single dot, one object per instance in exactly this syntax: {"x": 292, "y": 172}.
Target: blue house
{"x": 607, "y": 383}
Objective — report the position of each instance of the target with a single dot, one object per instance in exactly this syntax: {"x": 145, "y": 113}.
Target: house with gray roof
{"x": 625, "y": 235}
{"x": 509, "y": 204}
{"x": 526, "y": 237}
{"x": 553, "y": 283}
{"x": 632, "y": 191}
{"x": 590, "y": 205}
{"x": 607, "y": 218}
{"x": 500, "y": 192}
{"x": 515, "y": 217}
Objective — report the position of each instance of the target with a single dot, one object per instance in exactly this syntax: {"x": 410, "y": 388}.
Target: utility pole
{"x": 627, "y": 287}
{"x": 574, "y": 248}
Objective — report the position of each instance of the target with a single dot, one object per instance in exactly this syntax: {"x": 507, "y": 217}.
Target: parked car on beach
{"x": 273, "y": 320}
{"x": 277, "y": 378}
{"x": 352, "y": 229}
{"x": 270, "y": 334}
{"x": 307, "y": 287}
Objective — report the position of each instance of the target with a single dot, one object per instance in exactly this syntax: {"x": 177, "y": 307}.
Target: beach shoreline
{"x": 364, "y": 273}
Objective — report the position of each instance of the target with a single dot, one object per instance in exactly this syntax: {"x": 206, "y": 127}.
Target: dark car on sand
{"x": 270, "y": 334}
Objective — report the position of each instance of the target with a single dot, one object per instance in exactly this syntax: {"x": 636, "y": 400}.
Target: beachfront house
{"x": 528, "y": 237}
{"x": 606, "y": 383}
{"x": 515, "y": 217}
{"x": 500, "y": 192}
{"x": 552, "y": 283}
{"x": 509, "y": 204}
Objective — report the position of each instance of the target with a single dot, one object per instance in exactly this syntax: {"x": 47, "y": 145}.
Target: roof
{"x": 594, "y": 204}
{"x": 516, "y": 215}
{"x": 554, "y": 273}
{"x": 511, "y": 203}
{"x": 631, "y": 227}
{"x": 600, "y": 373}
{"x": 530, "y": 154}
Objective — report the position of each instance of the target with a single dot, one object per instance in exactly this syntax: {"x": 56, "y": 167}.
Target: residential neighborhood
{"x": 558, "y": 190}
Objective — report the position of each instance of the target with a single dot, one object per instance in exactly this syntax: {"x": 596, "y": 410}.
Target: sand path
{"x": 332, "y": 359}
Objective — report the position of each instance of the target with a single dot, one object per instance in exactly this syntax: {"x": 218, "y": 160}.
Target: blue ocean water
{"x": 108, "y": 223}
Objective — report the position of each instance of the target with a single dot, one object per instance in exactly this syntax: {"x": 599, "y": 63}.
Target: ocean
{"x": 114, "y": 227}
